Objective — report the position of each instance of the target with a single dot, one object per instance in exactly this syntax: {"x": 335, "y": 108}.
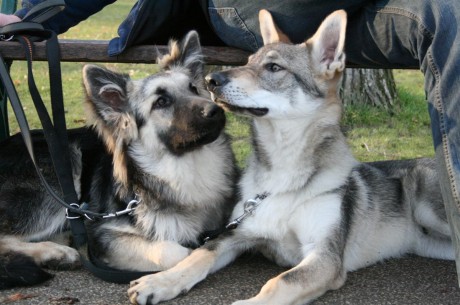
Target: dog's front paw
{"x": 56, "y": 256}
{"x": 152, "y": 289}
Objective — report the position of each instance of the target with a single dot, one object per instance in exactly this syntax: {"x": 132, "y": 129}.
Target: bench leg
{"x": 4, "y": 127}
{"x": 8, "y": 7}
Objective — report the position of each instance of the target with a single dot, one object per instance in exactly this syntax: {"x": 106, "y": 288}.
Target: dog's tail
{"x": 20, "y": 270}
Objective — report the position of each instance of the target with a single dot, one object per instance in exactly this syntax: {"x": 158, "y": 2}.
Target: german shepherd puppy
{"x": 307, "y": 202}
{"x": 161, "y": 141}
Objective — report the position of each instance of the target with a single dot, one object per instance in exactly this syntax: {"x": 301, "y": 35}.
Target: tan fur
{"x": 270, "y": 32}
{"x": 174, "y": 54}
{"x": 125, "y": 131}
{"x": 42, "y": 253}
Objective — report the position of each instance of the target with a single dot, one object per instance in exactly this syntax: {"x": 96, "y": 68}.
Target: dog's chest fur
{"x": 191, "y": 187}
{"x": 190, "y": 175}
{"x": 302, "y": 208}
{"x": 285, "y": 224}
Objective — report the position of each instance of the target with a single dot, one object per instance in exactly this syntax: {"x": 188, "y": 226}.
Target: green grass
{"x": 103, "y": 25}
{"x": 405, "y": 133}
{"x": 373, "y": 133}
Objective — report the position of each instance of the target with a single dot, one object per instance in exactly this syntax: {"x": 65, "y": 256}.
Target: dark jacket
{"x": 219, "y": 22}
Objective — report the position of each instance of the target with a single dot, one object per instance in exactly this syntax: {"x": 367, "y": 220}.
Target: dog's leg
{"x": 46, "y": 254}
{"x": 168, "y": 284}
{"x": 142, "y": 255}
{"x": 122, "y": 246}
{"x": 317, "y": 273}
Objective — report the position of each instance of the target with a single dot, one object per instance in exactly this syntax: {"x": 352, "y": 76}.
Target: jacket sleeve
{"x": 74, "y": 12}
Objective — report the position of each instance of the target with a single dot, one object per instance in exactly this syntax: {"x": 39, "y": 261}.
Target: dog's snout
{"x": 212, "y": 111}
{"x": 214, "y": 80}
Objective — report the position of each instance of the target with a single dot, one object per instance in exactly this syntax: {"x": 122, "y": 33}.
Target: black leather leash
{"x": 55, "y": 131}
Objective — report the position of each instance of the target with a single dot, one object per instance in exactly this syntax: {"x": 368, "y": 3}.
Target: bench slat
{"x": 96, "y": 51}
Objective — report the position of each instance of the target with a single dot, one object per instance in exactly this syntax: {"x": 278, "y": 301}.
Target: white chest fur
{"x": 287, "y": 226}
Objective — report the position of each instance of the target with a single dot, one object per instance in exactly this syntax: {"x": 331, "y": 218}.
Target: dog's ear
{"x": 270, "y": 32}
{"x": 106, "y": 93}
{"x": 327, "y": 44}
{"x": 185, "y": 54}
{"x": 108, "y": 110}
{"x": 105, "y": 89}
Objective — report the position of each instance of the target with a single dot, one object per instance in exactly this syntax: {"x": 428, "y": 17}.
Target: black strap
{"x": 56, "y": 137}
{"x": 43, "y": 11}
{"x": 79, "y": 233}
{"x": 60, "y": 162}
{"x": 8, "y": 31}
{"x": 108, "y": 274}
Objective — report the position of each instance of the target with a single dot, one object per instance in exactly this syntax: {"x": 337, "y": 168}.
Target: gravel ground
{"x": 411, "y": 280}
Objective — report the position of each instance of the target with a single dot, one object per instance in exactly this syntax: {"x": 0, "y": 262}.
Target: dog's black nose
{"x": 214, "y": 80}
{"x": 211, "y": 110}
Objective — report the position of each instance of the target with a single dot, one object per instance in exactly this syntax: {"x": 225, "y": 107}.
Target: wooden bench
{"x": 96, "y": 51}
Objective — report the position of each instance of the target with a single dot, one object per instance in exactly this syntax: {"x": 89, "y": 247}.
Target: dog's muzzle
{"x": 215, "y": 80}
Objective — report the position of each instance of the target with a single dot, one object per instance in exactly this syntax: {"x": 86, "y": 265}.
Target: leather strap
{"x": 79, "y": 233}
{"x": 43, "y": 11}
{"x": 56, "y": 135}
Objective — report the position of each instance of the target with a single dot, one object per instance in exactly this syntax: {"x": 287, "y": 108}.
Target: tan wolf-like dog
{"x": 307, "y": 203}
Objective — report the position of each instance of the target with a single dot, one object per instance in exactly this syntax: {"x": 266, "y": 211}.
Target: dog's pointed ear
{"x": 327, "y": 44}
{"x": 270, "y": 32}
{"x": 105, "y": 89}
{"x": 107, "y": 98}
{"x": 108, "y": 110}
{"x": 185, "y": 54}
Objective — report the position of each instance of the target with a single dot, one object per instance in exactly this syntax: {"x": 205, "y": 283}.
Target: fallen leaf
{"x": 17, "y": 297}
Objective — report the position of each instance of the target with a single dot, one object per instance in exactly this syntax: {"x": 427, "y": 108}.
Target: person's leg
{"x": 397, "y": 33}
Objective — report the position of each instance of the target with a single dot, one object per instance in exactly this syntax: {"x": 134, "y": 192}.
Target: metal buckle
{"x": 3, "y": 37}
{"x": 82, "y": 207}
{"x": 75, "y": 205}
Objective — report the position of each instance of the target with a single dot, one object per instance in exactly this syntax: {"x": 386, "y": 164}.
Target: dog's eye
{"x": 193, "y": 88}
{"x": 273, "y": 67}
{"x": 162, "y": 102}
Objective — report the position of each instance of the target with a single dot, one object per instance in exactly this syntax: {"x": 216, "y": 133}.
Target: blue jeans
{"x": 382, "y": 33}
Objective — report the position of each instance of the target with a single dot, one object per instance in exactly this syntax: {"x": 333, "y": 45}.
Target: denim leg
{"x": 425, "y": 34}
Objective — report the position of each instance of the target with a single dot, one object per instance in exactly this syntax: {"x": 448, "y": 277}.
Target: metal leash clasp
{"x": 75, "y": 205}
{"x": 4, "y": 37}
{"x": 249, "y": 206}
{"x": 82, "y": 207}
{"x": 132, "y": 205}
